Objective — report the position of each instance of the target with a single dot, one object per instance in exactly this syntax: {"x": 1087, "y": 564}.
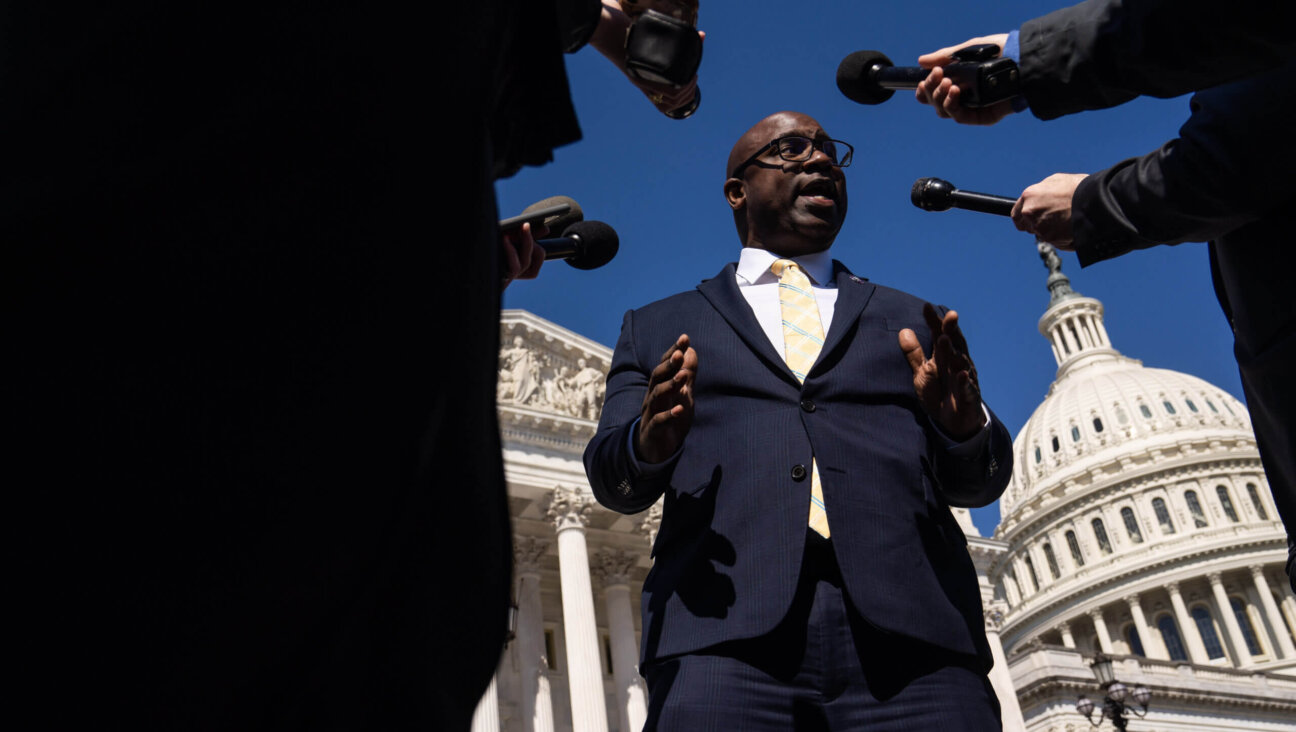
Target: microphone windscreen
{"x": 931, "y": 194}
{"x": 558, "y": 224}
{"x": 598, "y": 244}
{"x": 855, "y": 80}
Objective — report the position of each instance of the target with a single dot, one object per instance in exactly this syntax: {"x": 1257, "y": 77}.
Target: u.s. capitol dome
{"x": 1139, "y": 523}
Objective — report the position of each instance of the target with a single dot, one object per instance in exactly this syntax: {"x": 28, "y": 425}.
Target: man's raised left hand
{"x": 946, "y": 383}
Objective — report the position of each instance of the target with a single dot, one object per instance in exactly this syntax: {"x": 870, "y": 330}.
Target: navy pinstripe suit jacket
{"x": 733, "y": 531}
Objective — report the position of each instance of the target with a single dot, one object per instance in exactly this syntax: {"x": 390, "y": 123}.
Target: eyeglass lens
{"x": 802, "y": 148}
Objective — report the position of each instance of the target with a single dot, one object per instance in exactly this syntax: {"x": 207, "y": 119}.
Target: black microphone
{"x": 982, "y": 76}
{"x": 934, "y": 194}
{"x": 585, "y": 245}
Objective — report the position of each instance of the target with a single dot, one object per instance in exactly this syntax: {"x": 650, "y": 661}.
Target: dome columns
{"x": 1152, "y": 644}
{"x": 1285, "y": 645}
{"x": 1187, "y": 627}
{"x": 1241, "y": 655}
{"x": 1100, "y": 627}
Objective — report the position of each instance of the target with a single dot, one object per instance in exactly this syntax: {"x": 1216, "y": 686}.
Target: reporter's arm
{"x": 1101, "y": 53}
{"x": 1229, "y": 166}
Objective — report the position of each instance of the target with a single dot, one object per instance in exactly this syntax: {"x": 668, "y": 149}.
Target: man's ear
{"x": 735, "y": 193}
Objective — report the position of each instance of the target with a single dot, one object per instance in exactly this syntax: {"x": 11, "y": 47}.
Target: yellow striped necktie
{"x": 803, "y": 338}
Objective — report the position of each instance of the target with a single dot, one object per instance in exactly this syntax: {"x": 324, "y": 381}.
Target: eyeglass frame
{"x": 844, "y": 162}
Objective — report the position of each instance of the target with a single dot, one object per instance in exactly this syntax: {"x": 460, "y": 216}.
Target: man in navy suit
{"x": 756, "y": 617}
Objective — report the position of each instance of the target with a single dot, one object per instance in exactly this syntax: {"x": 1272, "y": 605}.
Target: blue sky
{"x": 658, "y": 181}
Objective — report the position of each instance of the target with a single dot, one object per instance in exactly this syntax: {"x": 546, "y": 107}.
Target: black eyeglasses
{"x": 798, "y": 149}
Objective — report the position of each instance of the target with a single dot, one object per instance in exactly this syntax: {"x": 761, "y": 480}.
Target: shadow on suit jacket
{"x": 727, "y": 556}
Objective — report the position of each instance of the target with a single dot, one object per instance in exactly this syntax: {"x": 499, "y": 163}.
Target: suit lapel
{"x": 722, "y": 292}
{"x": 853, "y": 294}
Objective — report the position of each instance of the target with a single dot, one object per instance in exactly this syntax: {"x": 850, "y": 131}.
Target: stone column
{"x": 537, "y": 708}
{"x": 1285, "y": 645}
{"x": 612, "y": 568}
{"x": 1068, "y": 640}
{"x": 1241, "y": 652}
{"x": 1187, "y": 627}
{"x": 486, "y": 716}
{"x": 1288, "y": 602}
{"x": 1152, "y": 644}
{"x": 569, "y": 509}
{"x": 1000, "y": 680}
{"x": 1100, "y": 627}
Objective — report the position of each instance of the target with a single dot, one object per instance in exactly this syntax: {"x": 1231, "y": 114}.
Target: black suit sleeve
{"x": 613, "y": 474}
{"x": 977, "y": 480}
{"x": 1223, "y": 171}
{"x": 1101, "y": 53}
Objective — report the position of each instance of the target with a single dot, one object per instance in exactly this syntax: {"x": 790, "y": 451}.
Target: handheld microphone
{"x": 555, "y": 212}
{"x": 934, "y": 194}
{"x": 585, "y": 245}
{"x": 982, "y": 76}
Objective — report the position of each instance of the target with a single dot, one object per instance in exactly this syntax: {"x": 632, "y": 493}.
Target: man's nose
{"x": 818, "y": 158}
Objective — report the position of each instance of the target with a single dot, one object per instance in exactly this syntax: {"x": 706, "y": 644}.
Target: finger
{"x": 939, "y": 58}
{"x": 933, "y": 320}
{"x": 950, "y": 326}
{"x": 680, "y": 343}
{"x": 1020, "y": 217}
{"x": 912, "y": 350}
{"x": 944, "y": 358}
{"x": 927, "y": 87}
{"x": 967, "y": 391}
{"x": 522, "y": 245}
{"x": 688, "y": 367}
{"x": 509, "y": 259}
{"x": 537, "y": 261}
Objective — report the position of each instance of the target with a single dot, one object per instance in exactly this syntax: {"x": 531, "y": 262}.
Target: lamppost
{"x": 1114, "y": 705}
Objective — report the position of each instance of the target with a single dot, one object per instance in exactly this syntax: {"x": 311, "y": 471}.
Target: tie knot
{"x": 782, "y": 266}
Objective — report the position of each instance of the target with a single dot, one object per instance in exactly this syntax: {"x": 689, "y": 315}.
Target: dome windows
{"x": 1075, "y": 433}
{"x": 1147, "y": 413}
{"x": 1052, "y": 561}
{"x": 1056, "y": 446}
{"x": 1191, "y": 407}
{"x": 1038, "y": 456}
{"x": 1226, "y": 503}
{"x": 1100, "y": 534}
{"x": 1030, "y": 566}
{"x": 1163, "y": 516}
{"x": 1131, "y": 525}
{"x": 1135, "y": 643}
{"x": 1255, "y": 501}
{"x": 1195, "y": 508}
{"x": 1170, "y": 636}
{"x": 1206, "y": 626}
{"x": 1097, "y": 423}
{"x": 1168, "y": 406}
{"x": 1074, "y": 546}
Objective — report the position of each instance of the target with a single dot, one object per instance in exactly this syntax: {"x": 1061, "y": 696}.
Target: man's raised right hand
{"x": 667, "y": 411}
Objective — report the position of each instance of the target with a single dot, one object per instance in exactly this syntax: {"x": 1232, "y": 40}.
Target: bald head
{"x": 789, "y": 207}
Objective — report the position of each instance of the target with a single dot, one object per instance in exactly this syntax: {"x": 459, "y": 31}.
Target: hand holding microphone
{"x": 584, "y": 244}
{"x": 947, "y": 92}
{"x": 984, "y": 77}
{"x": 1043, "y": 209}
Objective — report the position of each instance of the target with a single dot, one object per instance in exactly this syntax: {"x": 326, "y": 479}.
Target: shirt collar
{"x": 754, "y": 267}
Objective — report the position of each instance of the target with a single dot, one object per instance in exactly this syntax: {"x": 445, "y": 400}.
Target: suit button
{"x": 807, "y": 405}
{"x": 798, "y": 472}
